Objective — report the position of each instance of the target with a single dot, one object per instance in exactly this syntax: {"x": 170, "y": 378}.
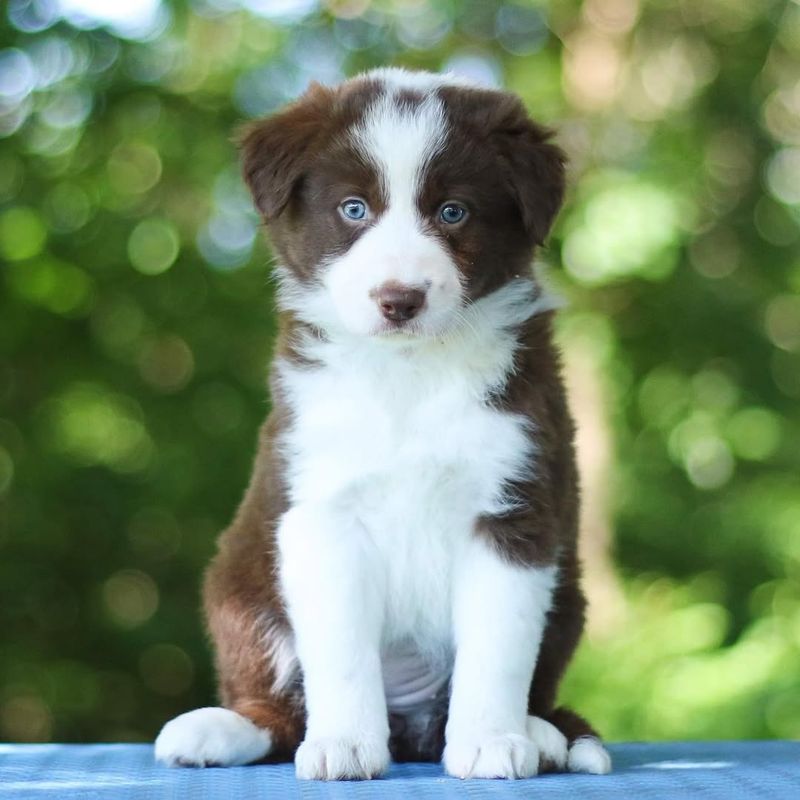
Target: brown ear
{"x": 536, "y": 173}
{"x": 276, "y": 151}
{"x": 533, "y": 166}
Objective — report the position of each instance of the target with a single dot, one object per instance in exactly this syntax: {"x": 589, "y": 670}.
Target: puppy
{"x": 401, "y": 578}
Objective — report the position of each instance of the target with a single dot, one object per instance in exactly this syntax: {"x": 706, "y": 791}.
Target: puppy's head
{"x": 397, "y": 198}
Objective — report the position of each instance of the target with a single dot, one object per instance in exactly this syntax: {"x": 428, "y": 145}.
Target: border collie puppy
{"x": 401, "y": 578}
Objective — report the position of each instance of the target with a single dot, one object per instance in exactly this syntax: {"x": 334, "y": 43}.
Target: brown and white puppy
{"x": 401, "y": 577}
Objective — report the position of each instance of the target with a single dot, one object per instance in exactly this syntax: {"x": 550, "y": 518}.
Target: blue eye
{"x": 452, "y": 213}
{"x": 354, "y": 209}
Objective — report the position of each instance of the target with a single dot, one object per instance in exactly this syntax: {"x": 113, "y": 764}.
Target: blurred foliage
{"x": 135, "y": 329}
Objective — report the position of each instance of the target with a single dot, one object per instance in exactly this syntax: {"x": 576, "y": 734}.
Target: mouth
{"x": 408, "y": 329}
{"x": 422, "y": 328}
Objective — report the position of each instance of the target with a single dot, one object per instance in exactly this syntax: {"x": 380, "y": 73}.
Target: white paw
{"x": 337, "y": 759}
{"x": 509, "y": 755}
{"x": 211, "y": 737}
{"x": 587, "y": 754}
{"x": 551, "y": 742}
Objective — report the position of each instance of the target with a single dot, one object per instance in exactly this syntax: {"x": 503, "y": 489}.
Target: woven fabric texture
{"x": 704, "y": 770}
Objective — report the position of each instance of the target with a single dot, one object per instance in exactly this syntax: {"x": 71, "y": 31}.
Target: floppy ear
{"x": 533, "y": 167}
{"x": 275, "y": 151}
{"x": 536, "y": 173}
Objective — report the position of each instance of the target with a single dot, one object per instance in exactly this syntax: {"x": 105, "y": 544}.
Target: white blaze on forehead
{"x": 400, "y": 139}
{"x": 403, "y": 128}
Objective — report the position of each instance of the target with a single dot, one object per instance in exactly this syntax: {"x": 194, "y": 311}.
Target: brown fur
{"x": 503, "y": 167}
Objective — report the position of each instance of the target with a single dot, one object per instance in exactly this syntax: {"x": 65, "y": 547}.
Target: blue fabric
{"x": 704, "y": 770}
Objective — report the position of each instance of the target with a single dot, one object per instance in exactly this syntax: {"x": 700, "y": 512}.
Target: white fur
{"x": 281, "y": 653}
{"x": 211, "y": 737}
{"x": 408, "y": 423}
{"x": 588, "y": 755}
{"x": 401, "y": 142}
{"x": 392, "y": 455}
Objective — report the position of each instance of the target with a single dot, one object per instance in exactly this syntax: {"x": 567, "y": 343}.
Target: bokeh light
{"x": 130, "y": 597}
{"x": 135, "y": 19}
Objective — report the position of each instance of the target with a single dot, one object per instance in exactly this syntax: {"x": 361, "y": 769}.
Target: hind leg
{"x": 567, "y": 741}
{"x": 584, "y": 750}
{"x": 212, "y": 737}
{"x": 254, "y": 723}
{"x": 262, "y": 712}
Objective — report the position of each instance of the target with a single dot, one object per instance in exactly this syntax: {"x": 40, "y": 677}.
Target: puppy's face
{"x": 396, "y": 199}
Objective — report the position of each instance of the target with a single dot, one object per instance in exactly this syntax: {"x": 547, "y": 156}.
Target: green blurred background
{"x": 136, "y": 326}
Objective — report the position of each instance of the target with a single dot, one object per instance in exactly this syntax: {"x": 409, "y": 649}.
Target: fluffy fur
{"x": 401, "y": 577}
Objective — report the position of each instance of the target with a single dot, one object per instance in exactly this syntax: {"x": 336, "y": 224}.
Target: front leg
{"x": 499, "y": 611}
{"x": 335, "y": 606}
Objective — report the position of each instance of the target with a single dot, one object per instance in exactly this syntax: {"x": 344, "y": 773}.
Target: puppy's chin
{"x": 401, "y": 331}
{"x": 415, "y": 331}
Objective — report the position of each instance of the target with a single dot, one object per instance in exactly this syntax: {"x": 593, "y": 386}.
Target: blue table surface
{"x": 704, "y": 770}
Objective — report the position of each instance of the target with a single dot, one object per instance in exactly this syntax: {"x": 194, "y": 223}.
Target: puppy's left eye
{"x": 452, "y": 213}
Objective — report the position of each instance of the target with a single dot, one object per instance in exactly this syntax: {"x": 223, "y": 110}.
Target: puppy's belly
{"x": 412, "y": 683}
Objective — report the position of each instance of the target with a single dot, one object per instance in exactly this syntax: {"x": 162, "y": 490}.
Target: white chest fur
{"x": 403, "y": 442}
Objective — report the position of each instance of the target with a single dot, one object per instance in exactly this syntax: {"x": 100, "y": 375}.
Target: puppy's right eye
{"x": 354, "y": 209}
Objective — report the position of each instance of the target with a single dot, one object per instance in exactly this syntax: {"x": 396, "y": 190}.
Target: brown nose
{"x": 399, "y": 303}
